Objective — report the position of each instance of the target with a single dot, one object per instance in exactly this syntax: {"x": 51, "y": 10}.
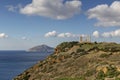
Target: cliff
{"x": 41, "y": 48}
{"x": 78, "y": 61}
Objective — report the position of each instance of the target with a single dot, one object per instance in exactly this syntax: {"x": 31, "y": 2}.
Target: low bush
{"x": 104, "y": 55}
{"x": 79, "y": 78}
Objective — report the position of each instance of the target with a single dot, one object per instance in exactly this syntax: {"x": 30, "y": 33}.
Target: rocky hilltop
{"x": 41, "y": 48}
{"x": 78, "y": 61}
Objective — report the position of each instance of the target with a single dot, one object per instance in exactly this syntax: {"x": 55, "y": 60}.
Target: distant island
{"x": 78, "y": 61}
{"x": 41, "y": 48}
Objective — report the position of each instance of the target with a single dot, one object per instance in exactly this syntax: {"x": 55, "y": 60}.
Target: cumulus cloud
{"x": 96, "y": 34}
{"x": 106, "y": 15}
{"x": 55, "y": 9}
{"x": 60, "y": 35}
{"x": 25, "y": 38}
{"x": 51, "y": 34}
{"x": 63, "y": 35}
{"x": 13, "y": 8}
{"x": 3, "y": 35}
{"x": 115, "y": 33}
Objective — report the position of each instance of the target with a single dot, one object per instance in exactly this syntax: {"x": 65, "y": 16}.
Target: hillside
{"x": 78, "y": 61}
{"x": 41, "y": 48}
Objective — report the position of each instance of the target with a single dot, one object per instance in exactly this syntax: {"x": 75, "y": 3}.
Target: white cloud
{"x": 115, "y": 33}
{"x": 60, "y": 35}
{"x": 25, "y": 38}
{"x": 13, "y": 8}
{"x": 51, "y": 34}
{"x": 63, "y": 35}
{"x": 55, "y": 9}
{"x": 3, "y": 35}
{"x": 96, "y": 34}
{"x": 110, "y": 34}
{"x": 105, "y": 14}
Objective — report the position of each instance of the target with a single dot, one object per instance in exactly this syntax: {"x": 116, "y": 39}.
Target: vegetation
{"x": 100, "y": 75}
{"x": 104, "y": 55}
{"x": 111, "y": 73}
{"x": 65, "y": 46}
{"x": 79, "y": 78}
{"x": 77, "y": 61}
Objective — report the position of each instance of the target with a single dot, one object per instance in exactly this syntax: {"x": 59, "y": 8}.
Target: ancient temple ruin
{"x": 86, "y": 38}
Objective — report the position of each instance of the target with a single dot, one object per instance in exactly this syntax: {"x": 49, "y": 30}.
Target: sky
{"x": 28, "y": 23}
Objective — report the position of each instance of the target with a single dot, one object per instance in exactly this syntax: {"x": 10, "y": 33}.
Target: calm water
{"x": 13, "y": 63}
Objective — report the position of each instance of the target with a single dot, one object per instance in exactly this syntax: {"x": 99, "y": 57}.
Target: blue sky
{"x": 27, "y": 23}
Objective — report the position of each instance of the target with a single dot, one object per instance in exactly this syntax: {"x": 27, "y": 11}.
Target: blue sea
{"x": 12, "y": 63}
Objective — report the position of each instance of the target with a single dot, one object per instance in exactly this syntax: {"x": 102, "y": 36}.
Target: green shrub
{"x": 80, "y": 50}
{"x": 104, "y": 55}
{"x": 63, "y": 47}
{"x": 95, "y": 42}
{"x": 117, "y": 79}
{"x": 112, "y": 72}
{"x": 100, "y": 75}
{"x": 79, "y": 78}
{"x": 26, "y": 77}
{"x": 90, "y": 73}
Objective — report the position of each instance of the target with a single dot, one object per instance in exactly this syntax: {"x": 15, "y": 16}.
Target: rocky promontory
{"x": 78, "y": 61}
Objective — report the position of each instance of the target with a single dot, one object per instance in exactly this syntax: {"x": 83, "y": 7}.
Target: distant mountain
{"x": 41, "y": 48}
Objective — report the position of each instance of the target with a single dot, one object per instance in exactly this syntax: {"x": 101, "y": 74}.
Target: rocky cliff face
{"x": 41, "y": 48}
{"x": 78, "y": 61}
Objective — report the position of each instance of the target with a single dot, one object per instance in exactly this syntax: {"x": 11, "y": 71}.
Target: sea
{"x": 12, "y": 63}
